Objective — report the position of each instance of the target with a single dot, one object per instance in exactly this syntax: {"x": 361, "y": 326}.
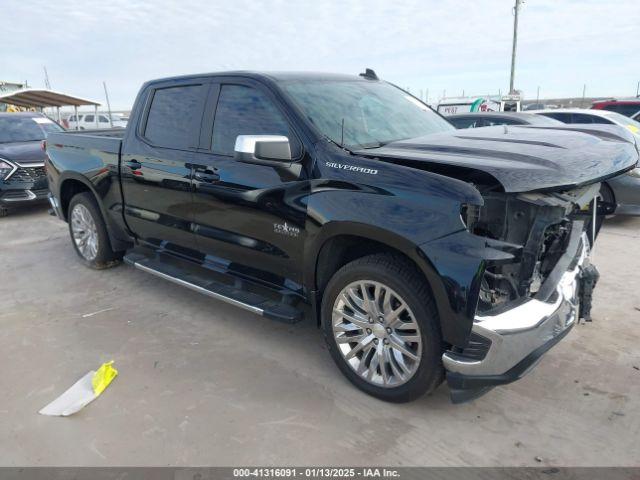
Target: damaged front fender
{"x": 460, "y": 260}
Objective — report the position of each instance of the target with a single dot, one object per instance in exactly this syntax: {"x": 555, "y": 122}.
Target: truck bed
{"x": 103, "y": 140}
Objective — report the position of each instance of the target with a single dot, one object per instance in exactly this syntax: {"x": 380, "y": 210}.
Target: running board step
{"x": 197, "y": 279}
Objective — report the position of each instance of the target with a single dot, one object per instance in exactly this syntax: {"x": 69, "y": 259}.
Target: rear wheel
{"x": 89, "y": 233}
{"x": 381, "y": 327}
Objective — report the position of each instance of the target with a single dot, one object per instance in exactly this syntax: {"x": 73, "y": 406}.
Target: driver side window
{"x": 244, "y": 110}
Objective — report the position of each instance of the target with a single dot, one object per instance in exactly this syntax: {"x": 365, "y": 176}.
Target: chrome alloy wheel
{"x": 85, "y": 233}
{"x": 377, "y": 333}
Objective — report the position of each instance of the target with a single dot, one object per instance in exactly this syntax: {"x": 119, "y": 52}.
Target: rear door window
{"x": 624, "y": 109}
{"x": 245, "y": 110}
{"x": 489, "y": 122}
{"x": 87, "y": 118}
{"x": 174, "y": 117}
{"x": 564, "y": 117}
{"x": 582, "y": 118}
{"x": 465, "y": 122}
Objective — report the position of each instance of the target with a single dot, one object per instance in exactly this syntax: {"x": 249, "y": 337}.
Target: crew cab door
{"x": 249, "y": 218}
{"x": 156, "y": 166}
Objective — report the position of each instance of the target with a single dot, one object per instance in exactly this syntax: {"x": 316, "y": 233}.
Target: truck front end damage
{"x": 529, "y": 298}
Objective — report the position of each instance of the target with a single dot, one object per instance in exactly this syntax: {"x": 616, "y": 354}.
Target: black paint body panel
{"x": 519, "y": 158}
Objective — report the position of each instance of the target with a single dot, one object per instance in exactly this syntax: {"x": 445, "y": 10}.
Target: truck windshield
{"x": 25, "y": 129}
{"x": 363, "y": 114}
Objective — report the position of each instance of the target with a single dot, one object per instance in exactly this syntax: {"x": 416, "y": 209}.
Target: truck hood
{"x": 518, "y": 158}
{"x": 23, "y": 152}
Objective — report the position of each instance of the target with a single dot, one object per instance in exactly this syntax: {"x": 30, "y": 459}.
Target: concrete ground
{"x": 204, "y": 383}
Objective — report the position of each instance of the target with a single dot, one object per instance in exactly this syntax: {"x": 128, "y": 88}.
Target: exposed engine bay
{"x": 534, "y": 228}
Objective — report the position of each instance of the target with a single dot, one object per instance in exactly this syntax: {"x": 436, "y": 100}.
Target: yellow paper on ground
{"x": 103, "y": 377}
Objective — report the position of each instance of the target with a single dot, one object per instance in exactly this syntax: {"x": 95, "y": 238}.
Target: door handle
{"x": 206, "y": 176}
{"x": 133, "y": 164}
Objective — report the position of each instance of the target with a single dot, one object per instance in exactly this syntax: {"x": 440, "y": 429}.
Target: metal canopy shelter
{"x": 31, "y": 97}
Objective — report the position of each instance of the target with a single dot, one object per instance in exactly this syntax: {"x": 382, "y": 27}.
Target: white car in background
{"x": 87, "y": 121}
{"x": 592, "y": 116}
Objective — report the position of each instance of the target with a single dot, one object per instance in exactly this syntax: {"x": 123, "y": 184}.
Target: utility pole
{"x": 538, "y": 96}
{"x": 515, "y": 43}
{"x": 46, "y": 79}
{"x": 638, "y": 90}
{"x": 584, "y": 91}
{"x": 106, "y": 94}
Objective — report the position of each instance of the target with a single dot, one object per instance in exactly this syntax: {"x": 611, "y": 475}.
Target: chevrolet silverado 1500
{"x": 422, "y": 251}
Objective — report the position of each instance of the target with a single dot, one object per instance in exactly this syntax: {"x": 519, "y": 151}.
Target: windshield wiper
{"x": 368, "y": 146}
{"x": 327, "y": 137}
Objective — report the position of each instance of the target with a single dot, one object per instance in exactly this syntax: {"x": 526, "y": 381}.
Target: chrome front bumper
{"x": 519, "y": 336}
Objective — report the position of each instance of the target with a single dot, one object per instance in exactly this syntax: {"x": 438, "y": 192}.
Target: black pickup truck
{"x": 422, "y": 251}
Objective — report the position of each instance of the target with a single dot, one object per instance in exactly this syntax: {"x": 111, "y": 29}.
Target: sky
{"x": 451, "y": 46}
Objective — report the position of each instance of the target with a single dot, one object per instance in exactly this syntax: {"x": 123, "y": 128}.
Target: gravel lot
{"x": 204, "y": 383}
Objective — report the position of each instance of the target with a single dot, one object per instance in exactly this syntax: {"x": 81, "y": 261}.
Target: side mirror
{"x": 271, "y": 150}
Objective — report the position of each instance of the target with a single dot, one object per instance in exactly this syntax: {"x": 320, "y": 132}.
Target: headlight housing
{"x": 6, "y": 169}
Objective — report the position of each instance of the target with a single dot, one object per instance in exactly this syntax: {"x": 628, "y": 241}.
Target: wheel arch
{"x": 338, "y": 246}
{"x": 72, "y": 184}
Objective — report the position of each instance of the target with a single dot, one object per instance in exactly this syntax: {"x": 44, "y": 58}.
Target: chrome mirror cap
{"x": 263, "y": 147}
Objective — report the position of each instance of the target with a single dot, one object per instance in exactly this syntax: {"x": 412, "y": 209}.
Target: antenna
{"x": 369, "y": 74}
{"x": 342, "y": 134}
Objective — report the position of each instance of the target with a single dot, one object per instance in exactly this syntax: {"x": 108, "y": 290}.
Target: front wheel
{"x": 89, "y": 233}
{"x": 382, "y": 329}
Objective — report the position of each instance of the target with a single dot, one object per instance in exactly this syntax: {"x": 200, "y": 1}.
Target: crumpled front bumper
{"x": 512, "y": 341}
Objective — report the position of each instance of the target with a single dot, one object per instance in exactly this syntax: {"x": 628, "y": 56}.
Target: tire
{"x": 89, "y": 233}
{"x": 393, "y": 278}
{"x": 4, "y": 212}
